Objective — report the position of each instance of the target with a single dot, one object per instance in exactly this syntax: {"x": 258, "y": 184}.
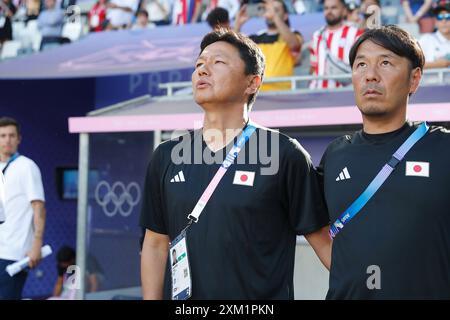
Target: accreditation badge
{"x": 181, "y": 273}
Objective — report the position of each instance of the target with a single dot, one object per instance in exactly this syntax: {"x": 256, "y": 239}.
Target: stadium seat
{"x": 30, "y": 37}
{"x": 390, "y": 14}
{"x": 72, "y": 30}
{"x": 32, "y": 26}
{"x": 18, "y": 27}
{"x": 304, "y": 66}
{"x": 36, "y": 39}
{"x": 10, "y": 49}
{"x": 412, "y": 28}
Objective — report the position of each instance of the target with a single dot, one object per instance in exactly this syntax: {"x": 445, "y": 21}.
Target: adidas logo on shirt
{"x": 179, "y": 177}
{"x": 344, "y": 175}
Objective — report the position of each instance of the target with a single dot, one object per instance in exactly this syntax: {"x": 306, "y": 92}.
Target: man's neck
{"x": 379, "y": 126}
{"x": 335, "y": 27}
{"x": 221, "y": 127}
{"x": 446, "y": 35}
{"x": 4, "y": 157}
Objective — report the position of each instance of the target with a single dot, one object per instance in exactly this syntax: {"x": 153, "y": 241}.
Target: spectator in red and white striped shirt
{"x": 331, "y": 45}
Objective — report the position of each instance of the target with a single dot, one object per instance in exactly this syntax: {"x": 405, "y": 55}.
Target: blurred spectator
{"x": 281, "y": 45}
{"x": 364, "y": 8}
{"x": 142, "y": 21}
{"x": 354, "y": 13}
{"x": 299, "y": 6}
{"x": 186, "y": 11}
{"x": 2, "y": 198}
{"x": 436, "y": 46}
{"x": 65, "y": 257}
{"x": 232, "y": 6}
{"x": 7, "y": 11}
{"x": 120, "y": 13}
{"x": 218, "y": 18}
{"x": 67, "y": 3}
{"x": 313, "y": 5}
{"x": 358, "y": 12}
{"x": 159, "y": 11}
{"x": 97, "y": 16}
{"x": 33, "y": 8}
{"x": 418, "y": 11}
{"x": 51, "y": 20}
{"x": 331, "y": 46}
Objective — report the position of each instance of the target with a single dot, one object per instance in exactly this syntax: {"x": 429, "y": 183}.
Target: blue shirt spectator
{"x": 51, "y": 20}
{"x": 417, "y": 11}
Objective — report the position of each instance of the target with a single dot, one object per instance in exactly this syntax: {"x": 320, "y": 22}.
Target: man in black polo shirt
{"x": 397, "y": 246}
{"x": 243, "y": 244}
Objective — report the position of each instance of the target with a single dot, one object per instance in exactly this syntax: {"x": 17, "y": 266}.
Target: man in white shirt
{"x": 22, "y": 232}
{"x": 159, "y": 10}
{"x": 120, "y": 13}
{"x": 142, "y": 22}
{"x": 2, "y": 198}
{"x": 436, "y": 46}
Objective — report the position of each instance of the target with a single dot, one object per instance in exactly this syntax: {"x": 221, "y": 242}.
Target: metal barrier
{"x": 437, "y": 76}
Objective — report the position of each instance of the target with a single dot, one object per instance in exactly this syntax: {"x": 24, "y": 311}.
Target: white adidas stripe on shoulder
{"x": 179, "y": 177}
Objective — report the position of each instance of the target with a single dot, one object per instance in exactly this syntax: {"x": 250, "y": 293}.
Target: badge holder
{"x": 179, "y": 266}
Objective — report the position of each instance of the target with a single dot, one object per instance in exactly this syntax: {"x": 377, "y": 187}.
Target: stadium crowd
{"x": 59, "y": 21}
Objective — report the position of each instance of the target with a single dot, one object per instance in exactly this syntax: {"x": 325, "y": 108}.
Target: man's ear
{"x": 254, "y": 84}
{"x": 416, "y": 76}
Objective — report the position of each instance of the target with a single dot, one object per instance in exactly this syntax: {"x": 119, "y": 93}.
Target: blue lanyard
{"x": 13, "y": 157}
{"x": 380, "y": 178}
{"x": 231, "y": 156}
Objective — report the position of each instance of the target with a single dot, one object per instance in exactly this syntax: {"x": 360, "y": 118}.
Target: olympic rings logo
{"x": 113, "y": 198}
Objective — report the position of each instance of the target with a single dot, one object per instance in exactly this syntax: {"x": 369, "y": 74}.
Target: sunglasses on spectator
{"x": 443, "y": 16}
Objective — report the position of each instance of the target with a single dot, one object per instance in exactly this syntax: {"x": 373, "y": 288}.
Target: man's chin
{"x": 333, "y": 22}
{"x": 202, "y": 101}
{"x": 373, "y": 111}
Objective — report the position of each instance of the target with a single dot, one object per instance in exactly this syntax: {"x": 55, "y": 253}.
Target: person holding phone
{"x": 279, "y": 43}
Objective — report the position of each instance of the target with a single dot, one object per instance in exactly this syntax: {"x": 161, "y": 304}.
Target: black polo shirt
{"x": 243, "y": 245}
{"x": 404, "y": 229}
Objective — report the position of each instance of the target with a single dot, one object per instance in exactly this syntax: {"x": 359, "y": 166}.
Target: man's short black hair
{"x": 6, "y": 121}
{"x": 393, "y": 39}
{"x": 65, "y": 254}
{"x": 218, "y": 16}
{"x": 249, "y": 52}
{"x": 144, "y": 12}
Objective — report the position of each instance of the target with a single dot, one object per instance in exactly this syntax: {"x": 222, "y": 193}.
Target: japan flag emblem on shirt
{"x": 417, "y": 169}
{"x": 244, "y": 178}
